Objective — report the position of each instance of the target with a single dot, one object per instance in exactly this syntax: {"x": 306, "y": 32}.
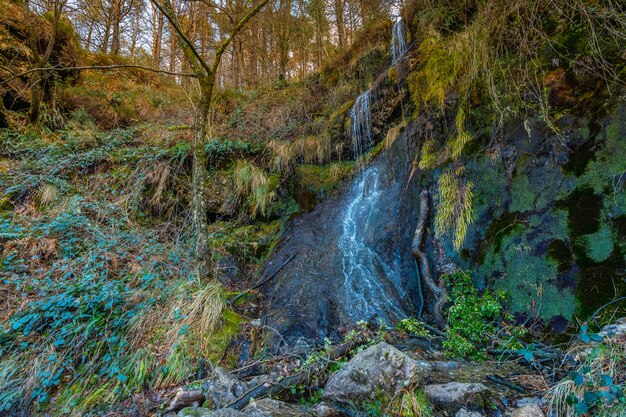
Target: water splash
{"x": 361, "y": 124}
{"x": 398, "y": 42}
{"x": 368, "y": 280}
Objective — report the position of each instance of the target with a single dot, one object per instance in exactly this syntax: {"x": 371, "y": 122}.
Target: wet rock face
{"x": 352, "y": 255}
{"x": 547, "y": 215}
{"x": 380, "y": 370}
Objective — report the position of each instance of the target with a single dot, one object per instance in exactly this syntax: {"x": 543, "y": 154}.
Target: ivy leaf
{"x": 581, "y": 408}
{"x": 585, "y": 338}
{"x": 595, "y": 337}
{"x": 590, "y": 397}
{"x": 579, "y": 380}
{"x": 606, "y": 380}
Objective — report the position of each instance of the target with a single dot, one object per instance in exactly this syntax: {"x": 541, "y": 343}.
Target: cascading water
{"x": 352, "y": 258}
{"x": 398, "y": 42}
{"x": 361, "y": 124}
{"x": 368, "y": 279}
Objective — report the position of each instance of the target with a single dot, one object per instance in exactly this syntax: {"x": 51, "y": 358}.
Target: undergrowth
{"x": 100, "y": 303}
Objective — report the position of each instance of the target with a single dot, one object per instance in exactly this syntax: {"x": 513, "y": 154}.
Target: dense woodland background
{"x": 137, "y": 203}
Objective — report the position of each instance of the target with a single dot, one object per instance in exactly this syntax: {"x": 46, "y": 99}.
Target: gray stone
{"x": 453, "y": 395}
{"x": 528, "y": 411}
{"x": 274, "y": 408}
{"x": 616, "y": 329}
{"x": 224, "y": 388}
{"x": 380, "y": 369}
{"x": 466, "y": 413}
{"x": 194, "y": 412}
{"x": 226, "y": 412}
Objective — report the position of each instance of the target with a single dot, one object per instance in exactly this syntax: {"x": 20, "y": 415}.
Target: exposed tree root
{"x": 440, "y": 292}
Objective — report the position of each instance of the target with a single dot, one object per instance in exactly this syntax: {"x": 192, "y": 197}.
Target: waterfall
{"x": 361, "y": 124}
{"x": 368, "y": 279}
{"x": 398, "y": 43}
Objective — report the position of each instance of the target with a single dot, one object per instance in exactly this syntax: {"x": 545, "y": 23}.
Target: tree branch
{"x": 188, "y": 47}
{"x": 236, "y": 29}
{"x": 95, "y": 67}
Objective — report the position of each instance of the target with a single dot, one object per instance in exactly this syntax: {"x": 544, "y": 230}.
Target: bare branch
{"x": 95, "y": 67}
{"x": 236, "y": 29}
{"x": 168, "y": 12}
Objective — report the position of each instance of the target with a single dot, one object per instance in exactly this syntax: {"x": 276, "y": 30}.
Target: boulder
{"x": 224, "y": 388}
{"x": 453, "y": 395}
{"x": 614, "y": 330}
{"x": 532, "y": 410}
{"x": 378, "y": 370}
{"x": 205, "y": 412}
{"x": 463, "y": 412}
{"x": 274, "y": 408}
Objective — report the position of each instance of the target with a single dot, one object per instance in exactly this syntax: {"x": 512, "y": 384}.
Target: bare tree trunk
{"x": 40, "y": 58}
{"x": 341, "y": 26}
{"x": 36, "y": 96}
{"x": 206, "y": 77}
{"x": 157, "y": 39}
{"x": 198, "y": 181}
{"x": 117, "y": 17}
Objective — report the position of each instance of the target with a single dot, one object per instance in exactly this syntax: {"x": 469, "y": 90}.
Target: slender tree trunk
{"x": 89, "y": 35}
{"x": 198, "y": 181}
{"x": 36, "y": 96}
{"x": 341, "y": 26}
{"x": 115, "y": 38}
{"x": 158, "y": 36}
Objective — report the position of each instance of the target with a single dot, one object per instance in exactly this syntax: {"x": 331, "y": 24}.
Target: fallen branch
{"x": 186, "y": 398}
{"x": 265, "y": 281}
{"x": 499, "y": 380}
{"x": 440, "y": 293}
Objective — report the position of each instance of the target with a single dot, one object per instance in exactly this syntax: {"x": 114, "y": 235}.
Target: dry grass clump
{"x": 597, "y": 385}
{"x": 454, "y": 205}
{"x": 251, "y": 181}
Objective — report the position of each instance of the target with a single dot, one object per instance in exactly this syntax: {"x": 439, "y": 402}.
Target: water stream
{"x": 361, "y": 124}
{"x": 368, "y": 279}
{"x": 398, "y": 41}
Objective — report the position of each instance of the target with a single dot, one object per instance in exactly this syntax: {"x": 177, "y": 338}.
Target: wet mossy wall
{"x": 550, "y": 215}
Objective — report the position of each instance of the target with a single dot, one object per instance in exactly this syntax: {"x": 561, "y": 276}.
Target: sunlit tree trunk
{"x": 205, "y": 73}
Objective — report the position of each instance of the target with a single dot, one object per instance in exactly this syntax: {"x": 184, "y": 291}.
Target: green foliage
{"x": 462, "y": 138}
{"x": 413, "y": 326}
{"x": 472, "y": 318}
{"x": 76, "y": 325}
{"x": 100, "y": 303}
{"x": 413, "y": 402}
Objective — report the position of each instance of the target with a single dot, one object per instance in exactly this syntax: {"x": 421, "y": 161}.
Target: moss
{"x": 609, "y": 162}
{"x": 222, "y": 337}
{"x": 500, "y": 228}
{"x": 341, "y": 113}
{"x": 515, "y": 262}
{"x": 599, "y": 245}
{"x": 321, "y": 180}
{"x": 522, "y": 195}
